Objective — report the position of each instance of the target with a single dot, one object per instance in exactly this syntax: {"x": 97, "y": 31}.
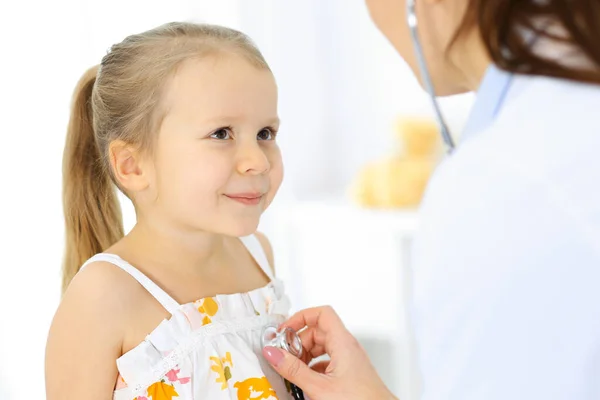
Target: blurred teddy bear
{"x": 398, "y": 181}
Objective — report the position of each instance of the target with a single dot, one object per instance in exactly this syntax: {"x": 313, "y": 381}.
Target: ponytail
{"x": 93, "y": 219}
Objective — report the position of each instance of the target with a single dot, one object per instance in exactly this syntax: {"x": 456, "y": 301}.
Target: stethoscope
{"x": 287, "y": 339}
{"x": 427, "y": 81}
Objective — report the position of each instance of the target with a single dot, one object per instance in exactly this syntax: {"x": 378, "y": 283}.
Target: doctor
{"x": 506, "y": 291}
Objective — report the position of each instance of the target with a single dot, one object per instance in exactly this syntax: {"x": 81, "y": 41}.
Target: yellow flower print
{"x": 224, "y": 371}
{"x": 253, "y": 387}
{"x": 208, "y": 308}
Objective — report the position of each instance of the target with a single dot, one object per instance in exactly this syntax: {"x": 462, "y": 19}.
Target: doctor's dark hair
{"x": 502, "y": 24}
{"x": 121, "y": 100}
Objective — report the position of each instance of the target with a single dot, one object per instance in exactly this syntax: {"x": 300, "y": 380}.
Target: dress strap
{"x": 255, "y": 248}
{"x": 160, "y": 295}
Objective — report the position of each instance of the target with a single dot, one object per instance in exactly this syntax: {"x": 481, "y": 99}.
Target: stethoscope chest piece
{"x": 286, "y": 339}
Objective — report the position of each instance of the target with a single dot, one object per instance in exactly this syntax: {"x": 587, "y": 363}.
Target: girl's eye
{"x": 221, "y": 134}
{"x": 266, "y": 134}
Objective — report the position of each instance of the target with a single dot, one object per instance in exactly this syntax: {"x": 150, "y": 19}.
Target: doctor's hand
{"x": 349, "y": 374}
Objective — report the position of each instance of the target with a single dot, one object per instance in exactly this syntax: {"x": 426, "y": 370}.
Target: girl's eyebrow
{"x": 229, "y": 119}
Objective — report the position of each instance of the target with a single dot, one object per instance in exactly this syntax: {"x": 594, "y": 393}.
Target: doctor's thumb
{"x": 294, "y": 370}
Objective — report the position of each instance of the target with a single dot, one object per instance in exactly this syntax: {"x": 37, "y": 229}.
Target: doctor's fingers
{"x": 313, "y": 342}
{"x": 325, "y": 318}
{"x": 321, "y": 366}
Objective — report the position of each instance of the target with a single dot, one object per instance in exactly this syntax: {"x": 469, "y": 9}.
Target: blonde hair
{"x": 120, "y": 100}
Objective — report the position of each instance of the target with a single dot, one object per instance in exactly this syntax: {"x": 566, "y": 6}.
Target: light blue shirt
{"x": 488, "y": 102}
{"x": 506, "y": 266}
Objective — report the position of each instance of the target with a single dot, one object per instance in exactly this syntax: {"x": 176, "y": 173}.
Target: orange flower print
{"x": 223, "y": 371}
{"x": 162, "y": 391}
{"x": 208, "y": 308}
{"x": 255, "y": 389}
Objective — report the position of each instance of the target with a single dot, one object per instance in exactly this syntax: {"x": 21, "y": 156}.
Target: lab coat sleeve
{"x": 506, "y": 289}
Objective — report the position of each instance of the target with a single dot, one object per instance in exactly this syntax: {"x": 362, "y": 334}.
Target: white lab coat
{"x": 506, "y": 289}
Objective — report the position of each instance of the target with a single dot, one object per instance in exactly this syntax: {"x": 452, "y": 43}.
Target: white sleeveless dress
{"x": 207, "y": 349}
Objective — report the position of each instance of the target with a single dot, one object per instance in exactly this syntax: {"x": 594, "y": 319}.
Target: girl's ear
{"x": 128, "y": 166}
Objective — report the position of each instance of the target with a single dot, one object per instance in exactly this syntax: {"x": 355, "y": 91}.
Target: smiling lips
{"x": 249, "y": 199}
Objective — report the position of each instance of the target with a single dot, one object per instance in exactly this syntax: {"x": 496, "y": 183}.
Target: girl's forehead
{"x": 220, "y": 76}
{"x": 221, "y": 86}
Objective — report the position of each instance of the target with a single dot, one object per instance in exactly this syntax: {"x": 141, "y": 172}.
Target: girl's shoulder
{"x": 104, "y": 294}
{"x": 87, "y": 331}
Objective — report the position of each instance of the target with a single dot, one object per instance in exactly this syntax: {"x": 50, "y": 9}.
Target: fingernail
{"x": 273, "y": 355}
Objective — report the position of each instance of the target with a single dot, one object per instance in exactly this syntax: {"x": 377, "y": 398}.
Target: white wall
{"x": 341, "y": 86}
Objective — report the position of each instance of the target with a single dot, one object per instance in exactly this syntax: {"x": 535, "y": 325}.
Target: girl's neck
{"x": 186, "y": 254}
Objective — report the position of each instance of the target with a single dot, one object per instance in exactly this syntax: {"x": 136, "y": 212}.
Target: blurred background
{"x": 341, "y": 230}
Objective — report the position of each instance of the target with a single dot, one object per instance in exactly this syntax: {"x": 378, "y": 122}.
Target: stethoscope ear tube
{"x": 412, "y": 21}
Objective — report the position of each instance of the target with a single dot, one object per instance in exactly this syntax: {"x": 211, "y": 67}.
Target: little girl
{"x": 182, "y": 119}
